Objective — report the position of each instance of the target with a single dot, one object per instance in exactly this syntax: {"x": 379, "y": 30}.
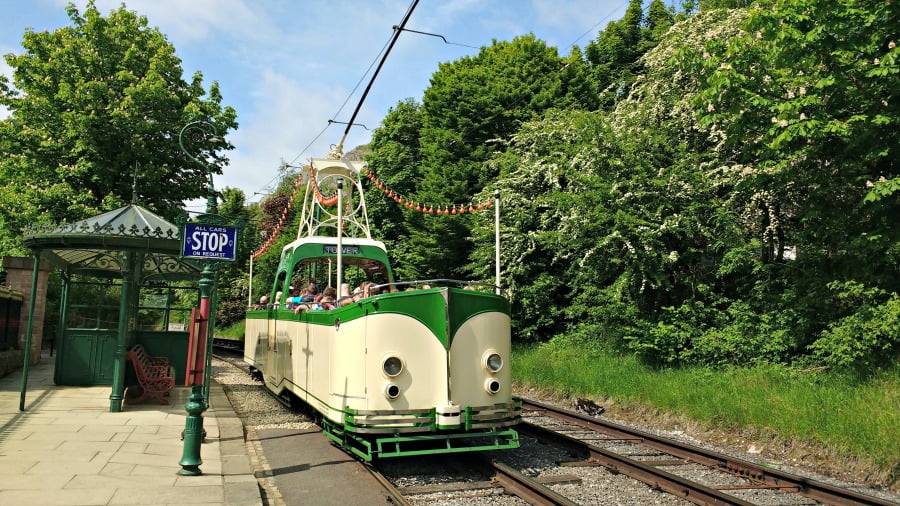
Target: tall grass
{"x": 235, "y": 331}
{"x": 856, "y": 417}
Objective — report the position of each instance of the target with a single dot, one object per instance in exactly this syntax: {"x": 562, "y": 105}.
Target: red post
{"x": 196, "y": 356}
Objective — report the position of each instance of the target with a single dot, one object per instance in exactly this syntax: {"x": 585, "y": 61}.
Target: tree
{"x": 808, "y": 98}
{"x": 396, "y": 159}
{"x": 95, "y": 105}
{"x": 614, "y": 54}
{"x": 472, "y": 104}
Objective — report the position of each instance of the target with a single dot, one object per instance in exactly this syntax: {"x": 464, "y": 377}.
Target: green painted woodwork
{"x": 465, "y": 304}
{"x": 372, "y": 447}
{"x": 86, "y": 358}
{"x": 426, "y": 306}
{"x": 172, "y": 345}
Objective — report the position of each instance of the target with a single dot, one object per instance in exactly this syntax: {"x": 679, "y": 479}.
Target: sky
{"x": 290, "y": 66}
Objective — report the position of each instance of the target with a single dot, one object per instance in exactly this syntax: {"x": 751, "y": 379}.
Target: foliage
{"x": 94, "y": 101}
{"x": 230, "y": 312}
{"x": 615, "y": 54}
{"x": 233, "y": 280}
{"x": 867, "y": 338}
{"x": 435, "y": 152}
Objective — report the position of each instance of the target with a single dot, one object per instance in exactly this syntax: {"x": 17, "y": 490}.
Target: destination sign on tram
{"x": 209, "y": 242}
{"x": 345, "y": 250}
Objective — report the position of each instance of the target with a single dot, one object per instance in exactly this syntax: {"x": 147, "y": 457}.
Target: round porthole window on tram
{"x": 392, "y": 366}
{"x": 493, "y": 361}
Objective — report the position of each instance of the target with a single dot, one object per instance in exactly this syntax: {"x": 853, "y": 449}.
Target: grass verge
{"x": 235, "y": 331}
{"x": 856, "y": 418}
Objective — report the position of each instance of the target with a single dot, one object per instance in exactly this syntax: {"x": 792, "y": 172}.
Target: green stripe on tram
{"x": 425, "y": 306}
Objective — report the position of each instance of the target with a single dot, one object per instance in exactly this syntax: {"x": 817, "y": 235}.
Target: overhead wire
{"x": 381, "y": 55}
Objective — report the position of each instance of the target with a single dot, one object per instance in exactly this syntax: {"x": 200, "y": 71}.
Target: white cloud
{"x": 286, "y": 116}
{"x": 186, "y": 21}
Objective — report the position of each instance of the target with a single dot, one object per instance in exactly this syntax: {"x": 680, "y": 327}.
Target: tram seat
{"x": 155, "y": 376}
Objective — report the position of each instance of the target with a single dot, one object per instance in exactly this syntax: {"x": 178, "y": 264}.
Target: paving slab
{"x": 308, "y": 469}
{"x": 67, "y": 449}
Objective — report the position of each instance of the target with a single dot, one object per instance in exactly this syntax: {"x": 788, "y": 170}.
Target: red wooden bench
{"x": 155, "y": 376}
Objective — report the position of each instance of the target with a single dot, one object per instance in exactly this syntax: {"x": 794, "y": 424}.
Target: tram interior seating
{"x": 155, "y": 376}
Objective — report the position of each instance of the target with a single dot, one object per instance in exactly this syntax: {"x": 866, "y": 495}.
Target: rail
{"x": 767, "y": 477}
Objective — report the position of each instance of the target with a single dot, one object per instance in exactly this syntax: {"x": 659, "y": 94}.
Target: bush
{"x": 705, "y": 334}
{"x": 230, "y": 311}
{"x": 865, "y": 340}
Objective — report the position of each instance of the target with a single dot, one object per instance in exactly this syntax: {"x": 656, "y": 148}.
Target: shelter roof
{"x": 97, "y": 246}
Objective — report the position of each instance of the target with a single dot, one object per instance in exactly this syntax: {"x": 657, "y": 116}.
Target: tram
{"x": 397, "y": 369}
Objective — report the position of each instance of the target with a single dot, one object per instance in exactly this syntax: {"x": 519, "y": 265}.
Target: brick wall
{"x": 18, "y": 276}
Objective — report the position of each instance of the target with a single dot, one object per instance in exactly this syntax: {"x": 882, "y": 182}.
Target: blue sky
{"x": 288, "y": 66}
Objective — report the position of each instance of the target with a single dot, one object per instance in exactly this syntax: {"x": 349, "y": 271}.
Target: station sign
{"x": 209, "y": 242}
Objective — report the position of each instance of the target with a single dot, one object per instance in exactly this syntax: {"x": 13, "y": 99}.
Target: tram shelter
{"x": 120, "y": 287}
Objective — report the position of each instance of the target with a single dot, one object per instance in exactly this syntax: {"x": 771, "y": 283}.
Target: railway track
{"x": 663, "y": 464}
{"x": 495, "y": 478}
{"x": 674, "y": 456}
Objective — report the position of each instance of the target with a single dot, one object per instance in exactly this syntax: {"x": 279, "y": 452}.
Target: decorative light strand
{"x": 325, "y": 201}
{"x": 439, "y": 209}
{"x": 281, "y": 221}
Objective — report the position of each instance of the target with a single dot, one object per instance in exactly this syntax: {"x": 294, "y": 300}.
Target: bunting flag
{"x": 323, "y": 200}
{"x": 439, "y": 209}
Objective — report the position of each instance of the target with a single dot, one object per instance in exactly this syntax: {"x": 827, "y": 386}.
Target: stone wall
{"x": 19, "y": 271}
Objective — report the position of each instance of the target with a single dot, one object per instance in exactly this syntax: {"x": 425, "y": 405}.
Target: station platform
{"x": 66, "y": 448}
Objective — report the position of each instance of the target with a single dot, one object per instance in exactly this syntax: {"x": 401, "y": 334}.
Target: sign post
{"x": 211, "y": 242}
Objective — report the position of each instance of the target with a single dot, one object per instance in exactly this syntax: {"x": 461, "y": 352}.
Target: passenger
{"x": 345, "y": 297}
{"x": 357, "y": 294}
{"x": 277, "y": 302}
{"x": 371, "y": 289}
{"x": 263, "y": 302}
{"x": 309, "y": 294}
{"x": 295, "y": 298}
{"x": 327, "y": 302}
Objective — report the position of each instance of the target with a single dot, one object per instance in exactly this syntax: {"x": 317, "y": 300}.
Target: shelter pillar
{"x": 130, "y": 275}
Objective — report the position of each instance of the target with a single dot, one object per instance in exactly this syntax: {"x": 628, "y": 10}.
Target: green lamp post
{"x": 208, "y": 239}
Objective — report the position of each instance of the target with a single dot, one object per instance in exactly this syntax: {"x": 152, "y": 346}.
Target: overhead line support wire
{"x": 397, "y": 31}
{"x": 434, "y": 35}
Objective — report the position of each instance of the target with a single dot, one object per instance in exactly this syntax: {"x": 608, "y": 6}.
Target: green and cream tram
{"x": 421, "y": 367}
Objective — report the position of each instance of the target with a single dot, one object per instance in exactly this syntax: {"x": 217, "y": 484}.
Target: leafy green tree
{"x": 808, "y": 99}
{"x": 396, "y": 160}
{"x": 614, "y": 54}
{"x": 232, "y": 280}
{"x": 471, "y": 104}
{"x": 92, "y": 104}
